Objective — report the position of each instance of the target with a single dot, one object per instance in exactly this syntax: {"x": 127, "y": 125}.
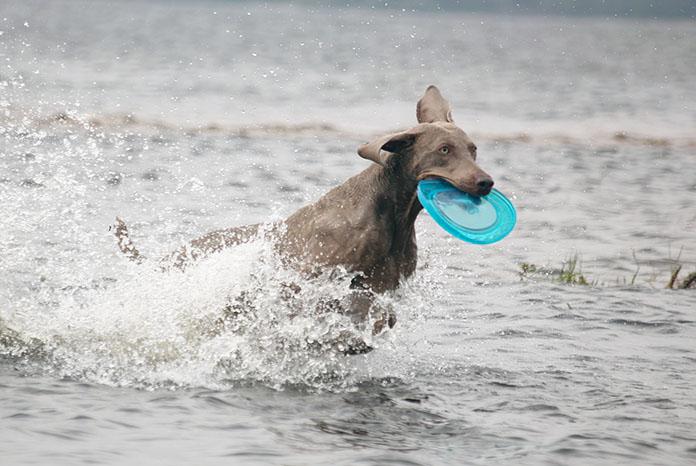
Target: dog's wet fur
{"x": 366, "y": 224}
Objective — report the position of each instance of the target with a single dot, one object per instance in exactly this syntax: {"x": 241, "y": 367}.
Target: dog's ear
{"x": 433, "y": 107}
{"x": 381, "y": 149}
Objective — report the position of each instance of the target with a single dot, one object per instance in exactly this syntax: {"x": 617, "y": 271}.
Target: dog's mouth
{"x": 473, "y": 191}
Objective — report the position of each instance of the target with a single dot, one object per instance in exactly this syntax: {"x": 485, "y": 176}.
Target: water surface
{"x": 183, "y": 118}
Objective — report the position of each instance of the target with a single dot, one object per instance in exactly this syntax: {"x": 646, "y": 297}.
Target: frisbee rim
{"x": 506, "y": 216}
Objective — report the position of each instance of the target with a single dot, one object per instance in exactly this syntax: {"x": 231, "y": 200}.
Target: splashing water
{"x": 125, "y": 325}
{"x": 151, "y": 329}
{"x": 92, "y": 316}
{"x": 152, "y": 127}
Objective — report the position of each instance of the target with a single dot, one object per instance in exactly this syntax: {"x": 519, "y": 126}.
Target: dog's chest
{"x": 377, "y": 254}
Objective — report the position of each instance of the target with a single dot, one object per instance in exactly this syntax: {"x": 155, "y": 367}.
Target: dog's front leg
{"x": 362, "y": 306}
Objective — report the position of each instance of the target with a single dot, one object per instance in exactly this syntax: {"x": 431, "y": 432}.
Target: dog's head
{"x": 436, "y": 148}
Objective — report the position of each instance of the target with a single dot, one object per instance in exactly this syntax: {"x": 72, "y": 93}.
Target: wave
{"x": 121, "y": 121}
{"x": 598, "y": 133}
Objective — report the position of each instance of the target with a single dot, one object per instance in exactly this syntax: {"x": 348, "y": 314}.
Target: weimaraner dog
{"x": 365, "y": 225}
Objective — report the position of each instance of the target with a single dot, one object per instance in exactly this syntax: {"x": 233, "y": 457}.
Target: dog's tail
{"x": 124, "y": 242}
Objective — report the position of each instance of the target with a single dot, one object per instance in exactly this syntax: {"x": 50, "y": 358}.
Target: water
{"x": 184, "y": 117}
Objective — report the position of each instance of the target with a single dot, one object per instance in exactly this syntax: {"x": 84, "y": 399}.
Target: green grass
{"x": 688, "y": 283}
{"x": 570, "y": 273}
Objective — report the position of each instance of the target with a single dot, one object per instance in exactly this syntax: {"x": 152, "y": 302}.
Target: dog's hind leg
{"x": 124, "y": 242}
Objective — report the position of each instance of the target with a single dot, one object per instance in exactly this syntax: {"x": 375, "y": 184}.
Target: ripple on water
{"x": 482, "y": 367}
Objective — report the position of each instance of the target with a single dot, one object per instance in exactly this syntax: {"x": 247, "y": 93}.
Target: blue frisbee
{"x": 479, "y": 220}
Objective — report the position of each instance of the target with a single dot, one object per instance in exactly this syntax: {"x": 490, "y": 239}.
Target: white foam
{"x": 154, "y": 329}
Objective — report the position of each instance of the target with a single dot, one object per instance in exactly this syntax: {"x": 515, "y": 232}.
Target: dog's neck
{"x": 396, "y": 195}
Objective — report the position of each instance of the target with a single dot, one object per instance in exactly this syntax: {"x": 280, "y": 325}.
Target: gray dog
{"x": 365, "y": 225}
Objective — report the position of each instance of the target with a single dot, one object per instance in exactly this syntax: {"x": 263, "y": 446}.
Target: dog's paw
{"x": 354, "y": 347}
{"x": 345, "y": 343}
{"x": 387, "y": 319}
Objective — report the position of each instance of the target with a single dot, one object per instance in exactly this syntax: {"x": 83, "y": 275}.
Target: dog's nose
{"x": 484, "y": 186}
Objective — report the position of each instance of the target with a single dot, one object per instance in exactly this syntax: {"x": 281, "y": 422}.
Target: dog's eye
{"x": 444, "y": 149}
